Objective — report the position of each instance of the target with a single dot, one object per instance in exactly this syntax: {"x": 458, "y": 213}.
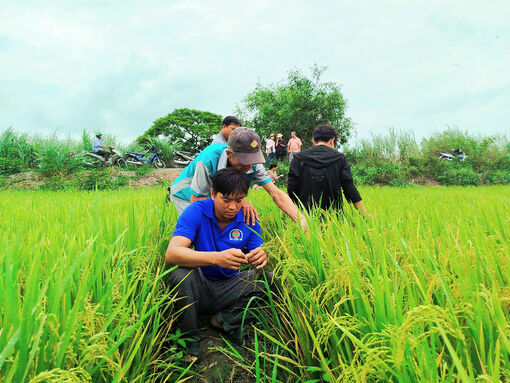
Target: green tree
{"x": 297, "y": 104}
{"x": 188, "y": 129}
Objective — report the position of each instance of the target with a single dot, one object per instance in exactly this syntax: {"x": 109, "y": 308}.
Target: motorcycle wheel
{"x": 159, "y": 164}
{"x": 121, "y": 163}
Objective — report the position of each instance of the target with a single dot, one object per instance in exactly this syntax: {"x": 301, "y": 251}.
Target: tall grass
{"x": 420, "y": 292}
{"x": 81, "y": 287}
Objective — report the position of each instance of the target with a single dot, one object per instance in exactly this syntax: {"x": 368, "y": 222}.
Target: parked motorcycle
{"x": 137, "y": 158}
{"x": 181, "y": 159}
{"x": 95, "y": 159}
{"x": 457, "y": 154}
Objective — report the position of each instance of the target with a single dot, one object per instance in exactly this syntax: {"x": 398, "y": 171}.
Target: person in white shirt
{"x": 270, "y": 149}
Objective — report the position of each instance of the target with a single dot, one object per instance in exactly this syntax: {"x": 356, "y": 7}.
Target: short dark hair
{"x": 272, "y": 166}
{"x": 324, "y": 133}
{"x": 230, "y": 181}
{"x": 229, "y": 120}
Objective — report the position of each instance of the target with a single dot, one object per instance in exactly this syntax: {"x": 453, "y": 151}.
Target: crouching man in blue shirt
{"x": 208, "y": 276}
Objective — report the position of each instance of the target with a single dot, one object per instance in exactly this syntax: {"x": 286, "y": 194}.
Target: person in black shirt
{"x": 318, "y": 175}
{"x": 281, "y": 148}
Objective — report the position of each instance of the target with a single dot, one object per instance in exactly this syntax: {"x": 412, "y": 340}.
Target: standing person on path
{"x": 243, "y": 152}
{"x": 227, "y": 126}
{"x": 294, "y": 145}
{"x": 270, "y": 149}
{"x": 210, "y": 243}
{"x": 318, "y": 175}
{"x": 281, "y": 148}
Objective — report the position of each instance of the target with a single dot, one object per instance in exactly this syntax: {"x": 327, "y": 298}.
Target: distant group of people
{"x": 218, "y": 230}
{"x": 277, "y": 150}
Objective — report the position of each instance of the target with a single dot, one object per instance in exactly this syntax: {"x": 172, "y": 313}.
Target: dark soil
{"x": 215, "y": 365}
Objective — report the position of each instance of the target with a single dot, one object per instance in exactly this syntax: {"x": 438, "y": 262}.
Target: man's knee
{"x": 181, "y": 276}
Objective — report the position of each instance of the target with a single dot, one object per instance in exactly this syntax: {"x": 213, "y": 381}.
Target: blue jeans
{"x": 270, "y": 157}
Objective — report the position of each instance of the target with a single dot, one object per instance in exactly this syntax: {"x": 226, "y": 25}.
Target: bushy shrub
{"x": 57, "y": 159}
{"x": 462, "y": 175}
{"x": 392, "y": 174}
{"x": 387, "y": 173}
{"x": 57, "y": 182}
{"x": 9, "y": 166}
{"x": 498, "y": 176}
{"x": 364, "y": 175}
{"x": 101, "y": 180}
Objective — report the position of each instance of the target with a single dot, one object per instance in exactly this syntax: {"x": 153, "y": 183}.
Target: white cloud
{"x": 119, "y": 66}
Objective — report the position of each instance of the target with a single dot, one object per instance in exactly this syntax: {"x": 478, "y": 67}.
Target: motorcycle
{"x": 457, "y": 153}
{"x": 137, "y": 158}
{"x": 181, "y": 158}
{"x": 95, "y": 159}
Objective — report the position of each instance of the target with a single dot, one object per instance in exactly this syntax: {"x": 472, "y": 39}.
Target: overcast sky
{"x": 116, "y": 66}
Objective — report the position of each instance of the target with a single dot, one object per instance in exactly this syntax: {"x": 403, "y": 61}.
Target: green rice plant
{"x": 82, "y": 287}
{"x": 418, "y": 292}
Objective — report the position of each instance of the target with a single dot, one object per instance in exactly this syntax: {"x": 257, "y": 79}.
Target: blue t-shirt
{"x": 198, "y": 223}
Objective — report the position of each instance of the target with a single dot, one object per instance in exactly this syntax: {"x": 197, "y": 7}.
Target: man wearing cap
{"x": 227, "y": 126}
{"x": 242, "y": 152}
{"x": 98, "y": 146}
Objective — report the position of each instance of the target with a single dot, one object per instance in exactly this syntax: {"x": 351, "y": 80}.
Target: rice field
{"x": 419, "y": 292}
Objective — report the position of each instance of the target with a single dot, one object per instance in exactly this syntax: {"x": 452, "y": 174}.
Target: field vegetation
{"x": 418, "y": 292}
{"x": 394, "y": 159}
{"x": 398, "y": 159}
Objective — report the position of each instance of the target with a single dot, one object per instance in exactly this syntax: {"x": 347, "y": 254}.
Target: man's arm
{"x": 359, "y": 205}
{"x": 351, "y": 193}
{"x": 293, "y": 181}
{"x": 179, "y": 253}
{"x": 195, "y": 198}
{"x": 283, "y": 201}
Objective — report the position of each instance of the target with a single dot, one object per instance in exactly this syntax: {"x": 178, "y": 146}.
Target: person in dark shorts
{"x": 318, "y": 175}
{"x": 210, "y": 243}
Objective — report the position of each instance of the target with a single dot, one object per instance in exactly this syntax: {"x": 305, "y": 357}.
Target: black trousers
{"x": 226, "y": 298}
{"x": 104, "y": 153}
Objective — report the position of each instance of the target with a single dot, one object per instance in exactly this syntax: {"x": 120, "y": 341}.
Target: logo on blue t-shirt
{"x": 235, "y": 235}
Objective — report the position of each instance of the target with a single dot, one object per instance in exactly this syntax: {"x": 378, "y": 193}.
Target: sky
{"x": 117, "y": 66}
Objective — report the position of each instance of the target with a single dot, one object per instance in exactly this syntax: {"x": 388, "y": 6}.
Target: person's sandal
{"x": 193, "y": 352}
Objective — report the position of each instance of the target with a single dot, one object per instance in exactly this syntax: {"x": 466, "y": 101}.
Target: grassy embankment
{"x": 394, "y": 159}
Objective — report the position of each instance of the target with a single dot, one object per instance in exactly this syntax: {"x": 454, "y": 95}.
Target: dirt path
{"x": 214, "y": 365}
{"x": 155, "y": 177}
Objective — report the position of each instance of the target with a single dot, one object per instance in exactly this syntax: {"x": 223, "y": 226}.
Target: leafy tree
{"x": 297, "y": 104}
{"x": 189, "y": 129}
